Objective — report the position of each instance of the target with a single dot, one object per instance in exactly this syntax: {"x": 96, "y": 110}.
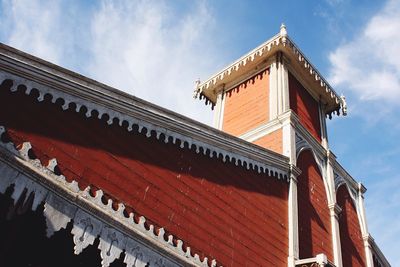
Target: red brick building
{"x": 92, "y": 176}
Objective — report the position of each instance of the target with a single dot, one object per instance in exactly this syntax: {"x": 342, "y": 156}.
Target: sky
{"x": 157, "y": 49}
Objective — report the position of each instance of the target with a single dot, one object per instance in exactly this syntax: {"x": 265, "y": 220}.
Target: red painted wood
{"x": 353, "y": 253}
{"x": 247, "y": 105}
{"x": 221, "y": 211}
{"x": 305, "y": 106}
{"x": 314, "y": 221}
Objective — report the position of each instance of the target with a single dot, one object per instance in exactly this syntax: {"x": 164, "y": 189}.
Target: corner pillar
{"x": 279, "y": 86}
{"x": 367, "y": 239}
{"x": 334, "y": 211}
{"x": 219, "y": 110}
{"x": 293, "y": 217}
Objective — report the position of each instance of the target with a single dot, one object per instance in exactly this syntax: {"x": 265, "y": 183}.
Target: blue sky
{"x": 157, "y": 49}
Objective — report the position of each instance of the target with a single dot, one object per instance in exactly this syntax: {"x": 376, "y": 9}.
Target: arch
{"x": 314, "y": 216}
{"x": 350, "y": 230}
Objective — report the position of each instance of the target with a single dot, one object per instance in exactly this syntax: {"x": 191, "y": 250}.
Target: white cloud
{"x": 31, "y": 26}
{"x": 152, "y": 51}
{"x": 369, "y": 65}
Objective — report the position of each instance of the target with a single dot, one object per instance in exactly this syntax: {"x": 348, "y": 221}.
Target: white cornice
{"x": 267, "y": 128}
{"x": 250, "y": 61}
{"x": 127, "y": 110}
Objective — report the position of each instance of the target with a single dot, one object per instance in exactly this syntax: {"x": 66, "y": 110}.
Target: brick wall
{"x": 247, "y": 105}
{"x": 305, "y": 106}
{"x": 220, "y": 210}
{"x": 314, "y": 219}
{"x": 353, "y": 253}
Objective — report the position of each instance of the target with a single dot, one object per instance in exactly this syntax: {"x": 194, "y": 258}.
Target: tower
{"x": 275, "y": 98}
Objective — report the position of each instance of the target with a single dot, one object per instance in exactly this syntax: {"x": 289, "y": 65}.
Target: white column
{"x": 293, "y": 217}
{"x": 334, "y": 211}
{"x": 219, "y": 111}
{"x": 285, "y": 85}
{"x": 278, "y": 86}
{"x": 367, "y": 239}
{"x": 273, "y": 90}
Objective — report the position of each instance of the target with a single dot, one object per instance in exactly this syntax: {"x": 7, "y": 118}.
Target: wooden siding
{"x": 220, "y": 210}
{"x": 272, "y": 141}
{"x": 305, "y": 106}
{"x": 353, "y": 253}
{"x": 314, "y": 219}
{"x": 247, "y": 105}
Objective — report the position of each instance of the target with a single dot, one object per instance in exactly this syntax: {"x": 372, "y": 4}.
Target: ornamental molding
{"x": 303, "y": 144}
{"x": 281, "y": 42}
{"x": 341, "y": 176}
{"x": 304, "y": 138}
{"x": 92, "y": 218}
{"x": 268, "y": 127}
{"x": 157, "y": 122}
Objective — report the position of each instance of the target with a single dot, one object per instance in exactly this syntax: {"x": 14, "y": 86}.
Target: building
{"x": 92, "y": 176}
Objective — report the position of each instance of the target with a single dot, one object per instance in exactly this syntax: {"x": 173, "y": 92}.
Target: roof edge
{"x": 279, "y": 42}
{"x": 122, "y": 108}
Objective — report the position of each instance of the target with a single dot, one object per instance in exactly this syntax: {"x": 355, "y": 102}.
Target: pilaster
{"x": 279, "y": 86}
{"x": 334, "y": 210}
{"x": 293, "y": 217}
{"x": 367, "y": 239}
{"x": 219, "y": 110}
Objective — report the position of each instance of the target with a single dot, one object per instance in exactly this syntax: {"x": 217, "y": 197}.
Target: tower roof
{"x": 251, "y": 62}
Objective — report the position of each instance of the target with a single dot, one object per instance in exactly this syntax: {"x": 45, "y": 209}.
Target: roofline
{"x": 51, "y": 79}
{"x": 280, "y": 42}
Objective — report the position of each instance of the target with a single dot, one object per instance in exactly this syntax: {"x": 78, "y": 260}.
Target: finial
{"x": 343, "y": 104}
{"x": 283, "y": 30}
{"x": 196, "y": 88}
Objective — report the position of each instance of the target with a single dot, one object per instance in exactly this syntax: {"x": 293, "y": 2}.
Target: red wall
{"x": 314, "y": 219}
{"x": 305, "y": 106}
{"x": 350, "y": 232}
{"x": 247, "y": 105}
{"x": 221, "y": 211}
{"x": 271, "y": 141}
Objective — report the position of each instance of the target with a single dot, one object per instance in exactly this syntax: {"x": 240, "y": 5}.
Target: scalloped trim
{"x": 86, "y": 227}
{"x": 143, "y": 126}
{"x": 276, "y": 41}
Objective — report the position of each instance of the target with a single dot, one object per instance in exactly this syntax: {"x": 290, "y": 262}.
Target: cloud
{"x": 30, "y": 25}
{"x": 153, "y": 51}
{"x": 369, "y": 65}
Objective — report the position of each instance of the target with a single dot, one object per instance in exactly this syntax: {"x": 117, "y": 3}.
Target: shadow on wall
{"x": 348, "y": 218}
{"x": 314, "y": 221}
{"x": 177, "y": 189}
{"x": 24, "y": 243}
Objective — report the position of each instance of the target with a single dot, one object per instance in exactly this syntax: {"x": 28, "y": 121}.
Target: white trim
{"x": 219, "y": 111}
{"x": 293, "y": 228}
{"x": 204, "y": 139}
{"x": 266, "y": 128}
{"x": 273, "y": 91}
{"x": 248, "y": 62}
{"x": 323, "y": 129}
{"x": 65, "y": 202}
